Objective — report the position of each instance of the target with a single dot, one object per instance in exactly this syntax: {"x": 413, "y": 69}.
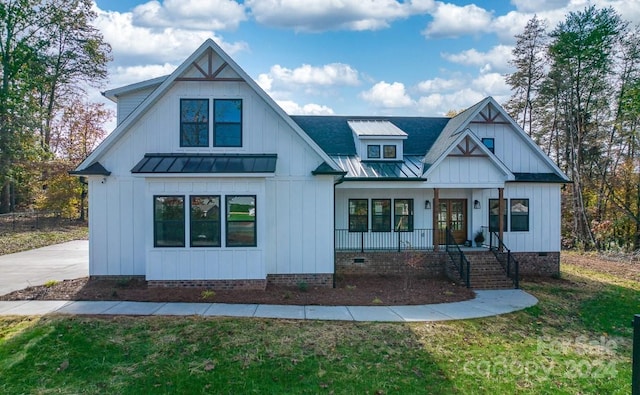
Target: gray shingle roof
{"x": 333, "y": 135}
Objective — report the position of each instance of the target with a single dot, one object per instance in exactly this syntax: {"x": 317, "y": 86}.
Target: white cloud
{"x": 450, "y": 20}
{"x": 496, "y": 59}
{"x": 135, "y": 44}
{"x": 121, "y": 75}
{"x": 491, "y": 84}
{"x": 388, "y": 95}
{"x": 440, "y": 84}
{"x": 293, "y": 108}
{"x": 539, "y": 5}
{"x": 440, "y": 104}
{"x": 323, "y": 15}
{"x": 281, "y": 82}
{"x": 190, "y": 14}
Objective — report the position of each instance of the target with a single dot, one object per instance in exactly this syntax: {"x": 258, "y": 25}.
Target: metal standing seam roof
{"x": 206, "y": 163}
{"x": 375, "y": 128}
{"x": 410, "y": 169}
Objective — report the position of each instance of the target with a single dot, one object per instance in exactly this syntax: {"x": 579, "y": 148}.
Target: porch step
{"x": 487, "y": 272}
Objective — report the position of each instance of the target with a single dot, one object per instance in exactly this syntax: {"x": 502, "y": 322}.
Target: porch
{"x": 485, "y": 265}
{"x": 415, "y": 240}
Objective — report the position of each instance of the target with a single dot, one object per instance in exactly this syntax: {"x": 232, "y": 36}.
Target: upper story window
{"x": 227, "y": 123}
{"x": 389, "y": 151}
{"x": 194, "y": 122}
{"x": 489, "y": 143}
{"x": 373, "y": 151}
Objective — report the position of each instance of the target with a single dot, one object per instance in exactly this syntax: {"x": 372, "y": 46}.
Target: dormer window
{"x": 377, "y": 140}
{"x": 373, "y": 151}
{"x": 390, "y": 151}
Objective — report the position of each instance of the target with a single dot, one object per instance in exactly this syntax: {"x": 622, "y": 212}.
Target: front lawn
{"x": 28, "y": 240}
{"x": 576, "y": 340}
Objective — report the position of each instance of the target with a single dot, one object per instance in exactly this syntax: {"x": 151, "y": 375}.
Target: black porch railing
{"x": 505, "y": 257}
{"x": 418, "y": 239}
{"x": 457, "y": 257}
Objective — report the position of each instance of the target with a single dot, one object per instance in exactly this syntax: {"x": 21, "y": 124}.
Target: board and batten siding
{"x": 198, "y": 263}
{"x": 116, "y": 226}
{"x": 294, "y": 221}
{"x": 511, "y": 148}
{"x": 544, "y": 216}
{"x": 466, "y": 172}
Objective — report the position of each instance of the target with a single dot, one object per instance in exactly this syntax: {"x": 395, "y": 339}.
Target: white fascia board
{"x": 113, "y": 94}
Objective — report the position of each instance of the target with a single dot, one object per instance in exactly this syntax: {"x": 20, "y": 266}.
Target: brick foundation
{"x": 312, "y": 280}
{"x": 429, "y": 263}
{"x": 117, "y": 278}
{"x": 212, "y": 284}
{"x": 538, "y": 263}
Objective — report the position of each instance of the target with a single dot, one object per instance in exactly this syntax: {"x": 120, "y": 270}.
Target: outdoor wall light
{"x": 476, "y": 204}
{"x": 427, "y": 205}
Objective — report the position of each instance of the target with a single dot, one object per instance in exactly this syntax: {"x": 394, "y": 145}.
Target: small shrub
{"x": 123, "y": 282}
{"x": 286, "y": 295}
{"x": 351, "y": 287}
{"x": 376, "y": 300}
{"x": 303, "y": 286}
{"x": 51, "y": 283}
{"x": 207, "y": 294}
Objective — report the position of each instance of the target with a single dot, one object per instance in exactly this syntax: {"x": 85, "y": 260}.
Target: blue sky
{"x": 344, "y": 57}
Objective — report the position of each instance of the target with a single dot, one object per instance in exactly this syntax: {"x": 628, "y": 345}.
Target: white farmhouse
{"x": 207, "y": 181}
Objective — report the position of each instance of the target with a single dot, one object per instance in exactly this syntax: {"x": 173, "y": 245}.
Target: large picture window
{"x": 205, "y": 221}
{"x": 194, "y": 123}
{"x": 519, "y": 215}
{"x": 358, "y": 215}
{"x": 381, "y": 215}
{"x": 241, "y": 221}
{"x": 403, "y": 215}
{"x": 168, "y": 218}
{"x": 494, "y": 225}
{"x": 227, "y": 127}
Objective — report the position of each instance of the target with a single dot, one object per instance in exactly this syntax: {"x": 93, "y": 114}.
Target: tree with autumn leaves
{"x": 576, "y": 92}
{"x": 49, "y": 53}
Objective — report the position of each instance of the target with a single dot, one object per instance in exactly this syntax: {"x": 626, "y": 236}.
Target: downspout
{"x": 338, "y": 182}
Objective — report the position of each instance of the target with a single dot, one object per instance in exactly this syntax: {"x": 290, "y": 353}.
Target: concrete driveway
{"x": 36, "y": 267}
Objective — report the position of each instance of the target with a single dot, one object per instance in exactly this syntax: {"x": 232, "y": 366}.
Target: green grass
{"x": 576, "y": 340}
{"x": 22, "y": 241}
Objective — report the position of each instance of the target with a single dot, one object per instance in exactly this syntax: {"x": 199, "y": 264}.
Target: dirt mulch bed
{"x": 350, "y": 291}
{"x": 629, "y": 269}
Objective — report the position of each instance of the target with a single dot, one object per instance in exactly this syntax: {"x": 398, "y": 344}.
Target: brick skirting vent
{"x": 429, "y": 263}
{"x": 211, "y": 284}
{"x": 311, "y": 279}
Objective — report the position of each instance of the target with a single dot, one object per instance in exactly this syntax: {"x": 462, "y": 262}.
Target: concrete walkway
{"x": 486, "y": 304}
{"x": 70, "y": 260}
{"x": 63, "y": 261}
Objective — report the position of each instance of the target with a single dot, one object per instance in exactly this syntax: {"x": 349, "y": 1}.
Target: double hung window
{"x": 358, "y": 215}
{"x": 403, "y": 215}
{"x": 168, "y": 221}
